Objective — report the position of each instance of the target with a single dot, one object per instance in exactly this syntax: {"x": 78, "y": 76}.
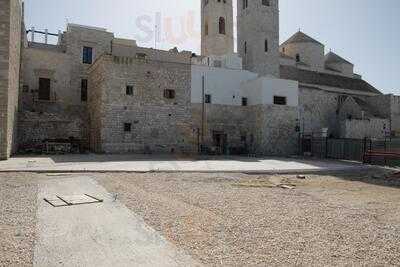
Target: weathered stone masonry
{"x": 10, "y": 48}
{"x": 158, "y": 124}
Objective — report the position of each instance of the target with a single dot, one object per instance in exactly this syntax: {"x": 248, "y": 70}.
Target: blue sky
{"x": 366, "y": 32}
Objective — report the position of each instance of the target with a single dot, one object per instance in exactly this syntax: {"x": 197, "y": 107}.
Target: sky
{"x": 365, "y": 32}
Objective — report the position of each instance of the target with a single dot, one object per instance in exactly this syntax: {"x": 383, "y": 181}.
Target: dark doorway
{"x": 44, "y": 89}
{"x": 220, "y": 140}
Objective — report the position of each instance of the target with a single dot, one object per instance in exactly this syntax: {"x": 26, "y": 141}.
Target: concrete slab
{"x": 142, "y": 163}
{"x": 100, "y": 234}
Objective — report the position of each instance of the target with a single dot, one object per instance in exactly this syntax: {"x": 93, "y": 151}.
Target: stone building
{"x": 110, "y": 95}
{"x": 217, "y": 27}
{"x": 139, "y": 101}
{"x": 11, "y": 39}
{"x": 258, "y": 35}
{"x": 327, "y": 84}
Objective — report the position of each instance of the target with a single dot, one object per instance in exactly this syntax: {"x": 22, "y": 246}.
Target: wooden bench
{"x": 383, "y": 154}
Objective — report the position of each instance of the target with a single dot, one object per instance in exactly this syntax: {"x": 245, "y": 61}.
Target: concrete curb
{"x": 250, "y": 172}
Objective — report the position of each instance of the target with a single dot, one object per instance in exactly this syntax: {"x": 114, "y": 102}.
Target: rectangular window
{"x": 84, "y": 87}
{"x": 218, "y": 64}
{"x": 129, "y": 90}
{"x": 266, "y": 2}
{"x": 244, "y": 101}
{"x": 280, "y": 100}
{"x": 87, "y": 55}
{"x": 44, "y": 89}
{"x": 245, "y": 4}
{"x": 207, "y": 99}
{"x": 127, "y": 127}
{"x": 141, "y": 56}
{"x": 170, "y": 94}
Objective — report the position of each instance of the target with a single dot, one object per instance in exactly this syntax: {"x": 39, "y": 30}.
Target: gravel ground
{"x": 238, "y": 219}
{"x": 18, "y": 204}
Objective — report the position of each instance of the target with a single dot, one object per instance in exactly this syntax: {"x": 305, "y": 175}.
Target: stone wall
{"x": 159, "y": 125}
{"x": 63, "y": 65}
{"x": 234, "y": 121}
{"x": 350, "y": 109}
{"x": 74, "y": 39}
{"x": 318, "y": 109}
{"x": 388, "y": 107}
{"x": 311, "y": 54}
{"x": 261, "y": 129}
{"x": 359, "y": 129}
{"x": 275, "y": 130}
{"x": 36, "y": 127}
{"x": 53, "y": 64}
{"x": 10, "y": 47}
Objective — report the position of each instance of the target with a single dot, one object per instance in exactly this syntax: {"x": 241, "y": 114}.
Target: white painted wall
{"x": 224, "y": 85}
{"x": 263, "y": 90}
{"x": 227, "y": 87}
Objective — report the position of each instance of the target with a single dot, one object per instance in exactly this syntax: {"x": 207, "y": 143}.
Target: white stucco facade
{"x": 263, "y": 90}
{"x": 229, "y": 86}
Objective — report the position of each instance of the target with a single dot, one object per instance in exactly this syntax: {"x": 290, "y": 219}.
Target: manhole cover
{"x": 63, "y": 201}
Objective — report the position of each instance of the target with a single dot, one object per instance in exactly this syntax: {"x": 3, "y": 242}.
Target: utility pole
{"x": 203, "y": 85}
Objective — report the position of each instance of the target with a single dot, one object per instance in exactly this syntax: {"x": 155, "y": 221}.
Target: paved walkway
{"x": 100, "y": 234}
{"x": 143, "y": 163}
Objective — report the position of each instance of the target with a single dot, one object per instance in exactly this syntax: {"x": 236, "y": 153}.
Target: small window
{"x": 207, "y": 99}
{"x": 170, "y": 94}
{"x": 266, "y": 46}
{"x": 84, "y": 87}
{"x": 245, "y": 4}
{"x": 244, "y": 101}
{"x": 87, "y": 55}
{"x": 127, "y": 127}
{"x": 129, "y": 90}
{"x": 141, "y": 56}
{"x": 222, "y": 25}
{"x": 218, "y": 64}
{"x": 44, "y": 89}
{"x": 280, "y": 100}
{"x": 245, "y": 48}
{"x": 297, "y": 57}
{"x": 266, "y": 2}
{"x": 206, "y": 28}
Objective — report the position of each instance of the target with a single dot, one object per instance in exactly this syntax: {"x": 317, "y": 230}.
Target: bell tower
{"x": 216, "y": 27}
{"x": 258, "y": 35}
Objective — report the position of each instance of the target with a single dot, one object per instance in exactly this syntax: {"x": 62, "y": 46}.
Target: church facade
{"x": 112, "y": 96}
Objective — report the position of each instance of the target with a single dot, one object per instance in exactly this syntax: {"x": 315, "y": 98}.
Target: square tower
{"x": 258, "y": 35}
{"x": 216, "y": 27}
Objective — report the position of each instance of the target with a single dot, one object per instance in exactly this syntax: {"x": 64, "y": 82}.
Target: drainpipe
{"x": 202, "y": 109}
{"x": 46, "y": 36}
{"x": 33, "y": 34}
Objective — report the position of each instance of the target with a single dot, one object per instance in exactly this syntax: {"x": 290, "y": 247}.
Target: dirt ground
{"x": 242, "y": 220}
{"x": 18, "y": 204}
{"x": 238, "y": 219}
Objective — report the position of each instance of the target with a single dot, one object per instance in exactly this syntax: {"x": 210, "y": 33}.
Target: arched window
{"x": 222, "y": 25}
{"x": 266, "y": 46}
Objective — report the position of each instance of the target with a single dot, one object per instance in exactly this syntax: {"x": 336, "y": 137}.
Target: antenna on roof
{"x": 155, "y": 36}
